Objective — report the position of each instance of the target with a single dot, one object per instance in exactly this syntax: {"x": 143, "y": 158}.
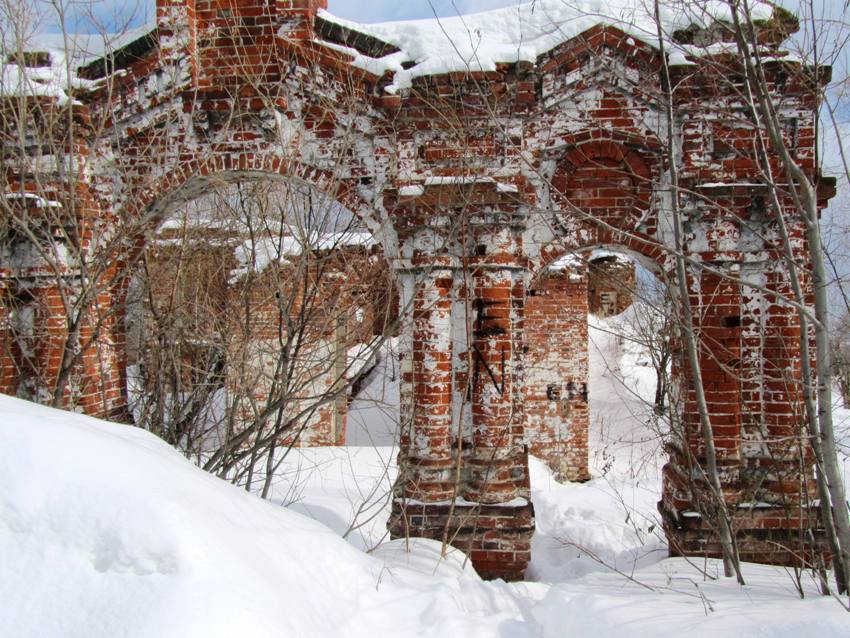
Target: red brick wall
{"x": 610, "y": 285}
{"x": 556, "y": 371}
{"x": 576, "y": 138}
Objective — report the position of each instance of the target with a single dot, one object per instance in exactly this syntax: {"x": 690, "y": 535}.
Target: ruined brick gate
{"x": 474, "y": 183}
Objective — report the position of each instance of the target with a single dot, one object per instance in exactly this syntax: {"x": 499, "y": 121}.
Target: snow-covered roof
{"x": 475, "y": 42}
{"x": 66, "y": 53}
{"x": 258, "y": 254}
{"x": 480, "y": 41}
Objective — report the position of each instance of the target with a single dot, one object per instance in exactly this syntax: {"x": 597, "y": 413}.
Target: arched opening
{"x": 599, "y": 336}
{"x": 631, "y": 343}
{"x": 583, "y": 308}
{"x": 258, "y": 305}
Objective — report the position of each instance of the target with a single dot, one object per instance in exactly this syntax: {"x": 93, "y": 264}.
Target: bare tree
{"x": 841, "y": 358}
{"x": 257, "y": 308}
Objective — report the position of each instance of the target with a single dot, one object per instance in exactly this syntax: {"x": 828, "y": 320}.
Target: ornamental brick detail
{"x": 473, "y": 184}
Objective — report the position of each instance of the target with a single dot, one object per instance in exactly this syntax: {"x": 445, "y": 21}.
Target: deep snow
{"x": 480, "y": 41}
{"x": 106, "y": 531}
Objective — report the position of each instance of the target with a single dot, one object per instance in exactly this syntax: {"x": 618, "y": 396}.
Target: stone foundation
{"x": 497, "y": 538}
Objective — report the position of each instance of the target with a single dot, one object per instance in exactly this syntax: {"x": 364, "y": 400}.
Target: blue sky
{"x": 117, "y": 13}
{"x": 383, "y": 10}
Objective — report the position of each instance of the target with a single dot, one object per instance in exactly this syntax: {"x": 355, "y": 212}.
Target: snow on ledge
{"x": 38, "y": 201}
{"x": 411, "y": 190}
{"x": 519, "y": 501}
{"x": 480, "y": 41}
{"x": 418, "y": 190}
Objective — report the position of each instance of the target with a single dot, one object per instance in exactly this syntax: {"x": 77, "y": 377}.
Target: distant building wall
{"x": 238, "y": 325}
{"x": 610, "y": 285}
{"x": 556, "y": 371}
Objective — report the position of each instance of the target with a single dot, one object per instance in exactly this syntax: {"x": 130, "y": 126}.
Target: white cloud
{"x": 386, "y": 10}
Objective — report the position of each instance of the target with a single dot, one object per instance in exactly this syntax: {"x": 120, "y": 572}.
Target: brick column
{"x": 716, "y": 307}
{"x": 750, "y": 364}
{"x": 719, "y": 334}
{"x": 777, "y": 465}
{"x": 498, "y": 465}
{"x": 426, "y": 459}
{"x": 463, "y": 470}
{"x": 496, "y": 418}
{"x": 555, "y": 370}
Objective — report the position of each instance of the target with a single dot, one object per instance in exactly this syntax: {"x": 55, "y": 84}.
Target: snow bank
{"x": 107, "y": 531}
{"x": 625, "y": 435}
{"x": 520, "y": 33}
{"x": 605, "y": 524}
{"x": 599, "y": 560}
{"x": 373, "y": 416}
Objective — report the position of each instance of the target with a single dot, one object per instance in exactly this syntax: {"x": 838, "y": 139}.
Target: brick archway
{"x": 556, "y": 360}
{"x": 472, "y": 180}
{"x": 193, "y": 176}
{"x": 198, "y": 178}
{"x": 243, "y": 269}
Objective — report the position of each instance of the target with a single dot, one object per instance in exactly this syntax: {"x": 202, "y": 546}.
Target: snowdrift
{"x": 106, "y": 531}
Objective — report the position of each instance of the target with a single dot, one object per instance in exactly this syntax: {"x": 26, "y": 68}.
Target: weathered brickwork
{"x": 610, "y": 285}
{"x": 556, "y": 373}
{"x": 229, "y": 331}
{"x": 472, "y": 183}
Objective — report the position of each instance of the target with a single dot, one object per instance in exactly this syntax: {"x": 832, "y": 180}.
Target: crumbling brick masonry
{"x": 472, "y": 182}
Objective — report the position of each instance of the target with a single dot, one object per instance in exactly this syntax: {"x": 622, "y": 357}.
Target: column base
{"x": 770, "y": 536}
{"x": 497, "y": 537}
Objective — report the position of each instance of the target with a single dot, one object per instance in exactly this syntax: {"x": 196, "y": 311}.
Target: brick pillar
{"x": 39, "y": 305}
{"x": 555, "y": 368}
{"x": 43, "y": 339}
{"x": 426, "y": 456}
{"x": 686, "y": 500}
{"x": 495, "y": 424}
{"x": 719, "y": 332}
{"x": 777, "y": 465}
{"x": 462, "y": 482}
{"x": 101, "y": 387}
{"x": 750, "y": 364}
{"x": 498, "y": 465}
{"x": 34, "y": 326}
